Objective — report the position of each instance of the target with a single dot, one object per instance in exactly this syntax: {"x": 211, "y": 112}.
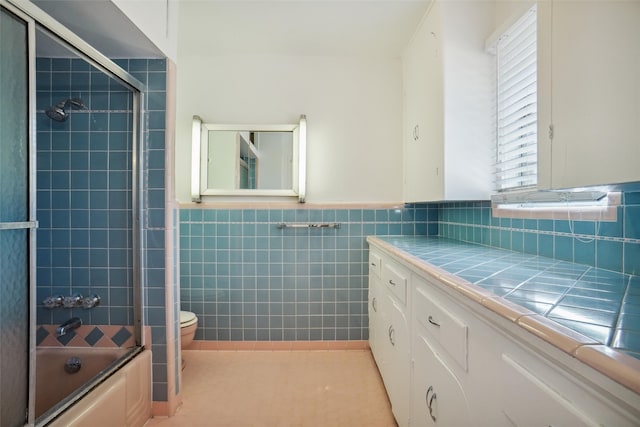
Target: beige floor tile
{"x": 281, "y": 389}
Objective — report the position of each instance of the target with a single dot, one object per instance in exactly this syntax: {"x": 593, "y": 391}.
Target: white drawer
{"x": 395, "y": 278}
{"x": 440, "y": 323}
{"x": 375, "y": 263}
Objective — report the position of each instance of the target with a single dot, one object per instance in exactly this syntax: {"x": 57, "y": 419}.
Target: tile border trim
{"x": 278, "y": 345}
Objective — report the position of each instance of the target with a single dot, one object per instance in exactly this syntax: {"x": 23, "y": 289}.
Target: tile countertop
{"x": 590, "y": 313}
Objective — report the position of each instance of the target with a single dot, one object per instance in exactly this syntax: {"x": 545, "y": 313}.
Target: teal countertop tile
{"x": 534, "y": 296}
{"x": 627, "y": 340}
{"x": 553, "y": 288}
{"x": 599, "y": 333}
{"x": 584, "y": 315}
{"x": 601, "y": 304}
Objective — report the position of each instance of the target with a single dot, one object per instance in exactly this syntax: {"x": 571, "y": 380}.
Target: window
{"x": 516, "y": 106}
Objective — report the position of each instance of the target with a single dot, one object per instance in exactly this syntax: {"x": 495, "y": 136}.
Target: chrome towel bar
{"x": 309, "y": 225}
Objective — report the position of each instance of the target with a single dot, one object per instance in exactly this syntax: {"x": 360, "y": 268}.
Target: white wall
{"x": 507, "y": 12}
{"x": 157, "y": 19}
{"x": 353, "y": 109}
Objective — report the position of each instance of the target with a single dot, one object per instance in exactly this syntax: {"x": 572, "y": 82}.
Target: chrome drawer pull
{"x": 429, "y": 401}
{"x": 433, "y": 322}
{"x": 433, "y": 397}
{"x": 374, "y": 304}
{"x": 391, "y": 335}
{"x": 391, "y": 282}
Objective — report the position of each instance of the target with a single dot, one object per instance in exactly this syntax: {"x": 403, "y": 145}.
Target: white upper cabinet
{"x": 423, "y": 131}
{"x": 589, "y": 92}
{"x": 447, "y": 78}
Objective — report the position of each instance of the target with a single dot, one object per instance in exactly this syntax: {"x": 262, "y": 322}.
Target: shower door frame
{"x": 31, "y": 224}
{"x": 35, "y": 17}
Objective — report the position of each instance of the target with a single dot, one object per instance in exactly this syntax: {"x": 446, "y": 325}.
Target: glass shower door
{"x": 15, "y": 219}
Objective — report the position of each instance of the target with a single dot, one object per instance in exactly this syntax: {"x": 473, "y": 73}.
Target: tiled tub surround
{"x": 87, "y": 336}
{"x": 610, "y": 245}
{"x": 247, "y": 280}
{"x": 572, "y": 306}
{"x": 83, "y": 195}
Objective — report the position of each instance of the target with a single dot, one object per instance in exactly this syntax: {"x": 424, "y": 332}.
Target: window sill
{"x": 605, "y": 210}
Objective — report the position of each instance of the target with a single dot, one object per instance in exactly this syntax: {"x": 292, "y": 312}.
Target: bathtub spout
{"x": 68, "y": 326}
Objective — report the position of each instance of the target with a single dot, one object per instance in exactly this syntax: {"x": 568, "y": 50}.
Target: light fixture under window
{"x": 548, "y": 198}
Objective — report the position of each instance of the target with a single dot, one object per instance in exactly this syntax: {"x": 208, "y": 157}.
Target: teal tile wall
{"x": 246, "y": 279}
{"x": 609, "y": 245}
{"x": 153, "y": 74}
{"x": 84, "y": 187}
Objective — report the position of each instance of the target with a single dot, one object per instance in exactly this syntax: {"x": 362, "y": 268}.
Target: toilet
{"x": 188, "y": 326}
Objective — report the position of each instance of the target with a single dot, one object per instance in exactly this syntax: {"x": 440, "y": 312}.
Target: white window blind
{"x": 516, "y": 103}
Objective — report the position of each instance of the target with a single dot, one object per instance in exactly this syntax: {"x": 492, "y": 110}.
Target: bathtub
{"x": 55, "y": 387}
{"x": 54, "y": 384}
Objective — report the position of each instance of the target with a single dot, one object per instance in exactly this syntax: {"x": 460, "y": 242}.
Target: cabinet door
{"x": 424, "y": 112}
{"x": 594, "y": 93}
{"x": 437, "y": 397}
{"x": 398, "y": 369}
{"x": 529, "y": 401}
{"x": 376, "y": 320}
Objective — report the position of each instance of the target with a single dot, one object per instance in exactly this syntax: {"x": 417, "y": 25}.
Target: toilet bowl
{"x": 188, "y": 326}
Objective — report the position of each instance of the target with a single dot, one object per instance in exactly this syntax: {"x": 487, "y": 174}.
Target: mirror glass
{"x": 250, "y": 160}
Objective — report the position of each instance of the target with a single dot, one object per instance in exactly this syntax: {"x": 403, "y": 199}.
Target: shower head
{"x": 58, "y": 113}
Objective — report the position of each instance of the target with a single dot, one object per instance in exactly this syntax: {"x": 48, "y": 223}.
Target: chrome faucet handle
{"x": 53, "y": 301}
{"x": 72, "y": 301}
{"x": 91, "y": 301}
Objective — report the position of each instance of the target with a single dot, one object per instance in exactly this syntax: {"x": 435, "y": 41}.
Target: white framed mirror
{"x": 248, "y": 160}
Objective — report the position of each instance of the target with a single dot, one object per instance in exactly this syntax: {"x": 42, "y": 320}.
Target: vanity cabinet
{"x": 437, "y": 397}
{"x": 551, "y": 408}
{"x": 589, "y": 93}
{"x": 447, "y": 145}
{"x": 376, "y": 318}
{"x": 389, "y": 340}
{"x": 447, "y": 360}
{"x": 439, "y": 338}
{"x": 396, "y": 351}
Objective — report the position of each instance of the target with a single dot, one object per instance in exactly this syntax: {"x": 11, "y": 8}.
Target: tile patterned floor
{"x": 281, "y": 389}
